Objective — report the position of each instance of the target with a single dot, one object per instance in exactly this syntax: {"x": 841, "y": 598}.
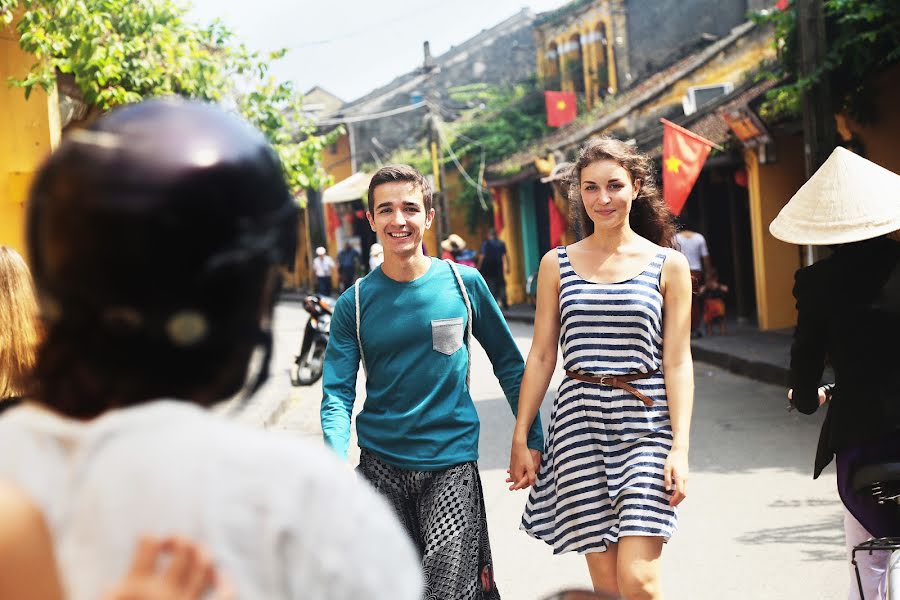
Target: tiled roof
{"x": 706, "y": 122}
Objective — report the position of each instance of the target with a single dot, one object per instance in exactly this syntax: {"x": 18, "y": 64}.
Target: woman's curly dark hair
{"x": 650, "y": 216}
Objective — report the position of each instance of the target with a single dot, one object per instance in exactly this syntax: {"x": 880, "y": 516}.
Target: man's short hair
{"x": 392, "y": 173}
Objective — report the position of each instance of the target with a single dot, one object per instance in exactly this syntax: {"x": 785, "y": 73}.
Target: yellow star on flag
{"x": 673, "y": 164}
{"x": 560, "y": 105}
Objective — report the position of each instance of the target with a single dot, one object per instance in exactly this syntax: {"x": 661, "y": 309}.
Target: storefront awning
{"x": 352, "y": 188}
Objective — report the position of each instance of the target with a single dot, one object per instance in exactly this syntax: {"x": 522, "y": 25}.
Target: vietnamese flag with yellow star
{"x": 684, "y": 153}
{"x": 561, "y": 108}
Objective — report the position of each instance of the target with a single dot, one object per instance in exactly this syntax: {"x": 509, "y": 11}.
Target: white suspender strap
{"x": 465, "y": 295}
{"x": 362, "y": 356}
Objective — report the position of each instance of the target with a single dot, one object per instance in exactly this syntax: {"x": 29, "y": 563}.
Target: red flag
{"x": 498, "y": 211}
{"x": 561, "y": 108}
{"x": 557, "y": 223}
{"x": 684, "y": 153}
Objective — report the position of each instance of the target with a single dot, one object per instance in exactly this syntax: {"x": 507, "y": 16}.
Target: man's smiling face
{"x": 400, "y": 218}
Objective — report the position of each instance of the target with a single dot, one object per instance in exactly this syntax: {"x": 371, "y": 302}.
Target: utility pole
{"x": 819, "y": 134}
{"x": 432, "y": 99}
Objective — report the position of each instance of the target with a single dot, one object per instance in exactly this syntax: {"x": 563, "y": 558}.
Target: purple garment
{"x": 879, "y": 520}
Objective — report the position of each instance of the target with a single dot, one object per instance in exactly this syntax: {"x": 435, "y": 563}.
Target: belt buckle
{"x": 604, "y": 378}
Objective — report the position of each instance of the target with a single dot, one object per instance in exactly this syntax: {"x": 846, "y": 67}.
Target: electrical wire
{"x": 371, "y": 116}
{"x": 477, "y": 185}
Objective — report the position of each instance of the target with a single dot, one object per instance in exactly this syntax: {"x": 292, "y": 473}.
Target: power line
{"x": 370, "y": 28}
{"x": 371, "y": 116}
{"x": 475, "y": 184}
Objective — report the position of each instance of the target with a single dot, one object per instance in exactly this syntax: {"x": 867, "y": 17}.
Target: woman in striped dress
{"x": 615, "y": 463}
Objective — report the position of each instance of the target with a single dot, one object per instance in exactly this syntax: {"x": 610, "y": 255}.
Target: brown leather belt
{"x": 616, "y": 381}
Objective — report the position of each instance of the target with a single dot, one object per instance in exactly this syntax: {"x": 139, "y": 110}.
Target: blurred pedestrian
{"x": 615, "y": 466}
{"x": 323, "y": 267}
{"x": 410, "y": 324}
{"x": 452, "y": 246}
{"x": 693, "y": 246}
{"x": 848, "y": 309}
{"x": 493, "y": 262}
{"x": 139, "y": 343}
{"x": 376, "y": 256}
{"x": 348, "y": 265}
{"x": 18, "y": 328}
{"x": 713, "y": 293}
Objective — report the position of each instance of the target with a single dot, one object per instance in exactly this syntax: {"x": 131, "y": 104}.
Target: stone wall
{"x": 501, "y": 55}
{"x": 661, "y": 30}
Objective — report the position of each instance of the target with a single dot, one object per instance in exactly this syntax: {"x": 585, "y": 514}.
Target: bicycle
{"x": 882, "y": 481}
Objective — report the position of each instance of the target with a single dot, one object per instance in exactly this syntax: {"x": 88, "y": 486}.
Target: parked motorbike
{"x": 308, "y": 364}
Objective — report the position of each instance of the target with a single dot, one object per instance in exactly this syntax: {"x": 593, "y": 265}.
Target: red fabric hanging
{"x": 558, "y": 223}
{"x": 498, "y": 210}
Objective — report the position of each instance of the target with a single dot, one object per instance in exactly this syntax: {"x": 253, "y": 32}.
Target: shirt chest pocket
{"x": 447, "y": 335}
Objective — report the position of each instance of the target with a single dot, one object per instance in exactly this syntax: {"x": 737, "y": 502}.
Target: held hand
{"x": 676, "y": 475}
{"x": 522, "y": 467}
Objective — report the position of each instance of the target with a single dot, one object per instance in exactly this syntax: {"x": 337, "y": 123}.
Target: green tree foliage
{"x": 121, "y": 51}
{"x": 863, "y": 38}
{"x": 497, "y": 122}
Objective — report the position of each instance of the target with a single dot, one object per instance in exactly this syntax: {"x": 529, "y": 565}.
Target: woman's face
{"x": 607, "y": 192}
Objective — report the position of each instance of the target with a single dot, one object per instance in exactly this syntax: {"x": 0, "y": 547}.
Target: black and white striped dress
{"x": 601, "y": 474}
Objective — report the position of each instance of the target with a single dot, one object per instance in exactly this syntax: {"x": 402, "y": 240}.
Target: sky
{"x": 350, "y": 47}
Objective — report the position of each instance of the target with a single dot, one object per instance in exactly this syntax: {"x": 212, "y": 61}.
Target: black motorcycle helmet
{"x": 154, "y": 236}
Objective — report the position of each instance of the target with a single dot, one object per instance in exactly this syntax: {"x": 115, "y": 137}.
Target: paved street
{"x": 755, "y": 525}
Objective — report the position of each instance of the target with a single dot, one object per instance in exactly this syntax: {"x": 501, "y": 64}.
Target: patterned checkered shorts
{"x": 443, "y": 511}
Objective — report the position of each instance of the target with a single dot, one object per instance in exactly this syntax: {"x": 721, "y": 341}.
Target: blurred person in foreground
{"x": 849, "y": 315}
{"x": 155, "y": 238}
{"x": 161, "y": 569}
{"x": 18, "y": 328}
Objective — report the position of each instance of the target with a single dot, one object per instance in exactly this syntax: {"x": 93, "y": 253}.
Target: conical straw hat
{"x": 848, "y": 199}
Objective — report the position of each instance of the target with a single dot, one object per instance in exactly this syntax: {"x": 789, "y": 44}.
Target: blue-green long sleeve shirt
{"x": 418, "y": 413}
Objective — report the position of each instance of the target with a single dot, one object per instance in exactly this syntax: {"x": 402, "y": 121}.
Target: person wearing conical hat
{"x": 849, "y": 312}
{"x": 452, "y": 246}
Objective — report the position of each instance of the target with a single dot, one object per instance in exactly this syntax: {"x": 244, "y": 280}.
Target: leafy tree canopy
{"x": 121, "y": 51}
{"x": 863, "y": 38}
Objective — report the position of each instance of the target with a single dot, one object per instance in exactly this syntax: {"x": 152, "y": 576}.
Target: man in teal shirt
{"x": 410, "y": 322}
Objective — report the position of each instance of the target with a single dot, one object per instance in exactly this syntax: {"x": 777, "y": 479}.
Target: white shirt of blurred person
{"x": 323, "y": 265}
{"x": 376, "y": 256}
{"x": 119, "y": 442}
{"x": 693, "y": 246}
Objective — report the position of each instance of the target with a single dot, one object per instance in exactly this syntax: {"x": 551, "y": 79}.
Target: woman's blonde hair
{"x": 18, "y": 324}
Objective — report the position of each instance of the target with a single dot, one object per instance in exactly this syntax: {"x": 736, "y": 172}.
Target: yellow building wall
{"x": 336, "y": 162}
{"x": 588, "y": 22}
{"x": 458, "y": 214}
{"x": 774, "y": 262}
{"x": 512, "y": 237}
{"x": 29, "y": 130}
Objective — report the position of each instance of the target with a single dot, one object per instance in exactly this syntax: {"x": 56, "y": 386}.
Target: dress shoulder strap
{"x": 561, "y": 254}
{"x": 656, "y": 266}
